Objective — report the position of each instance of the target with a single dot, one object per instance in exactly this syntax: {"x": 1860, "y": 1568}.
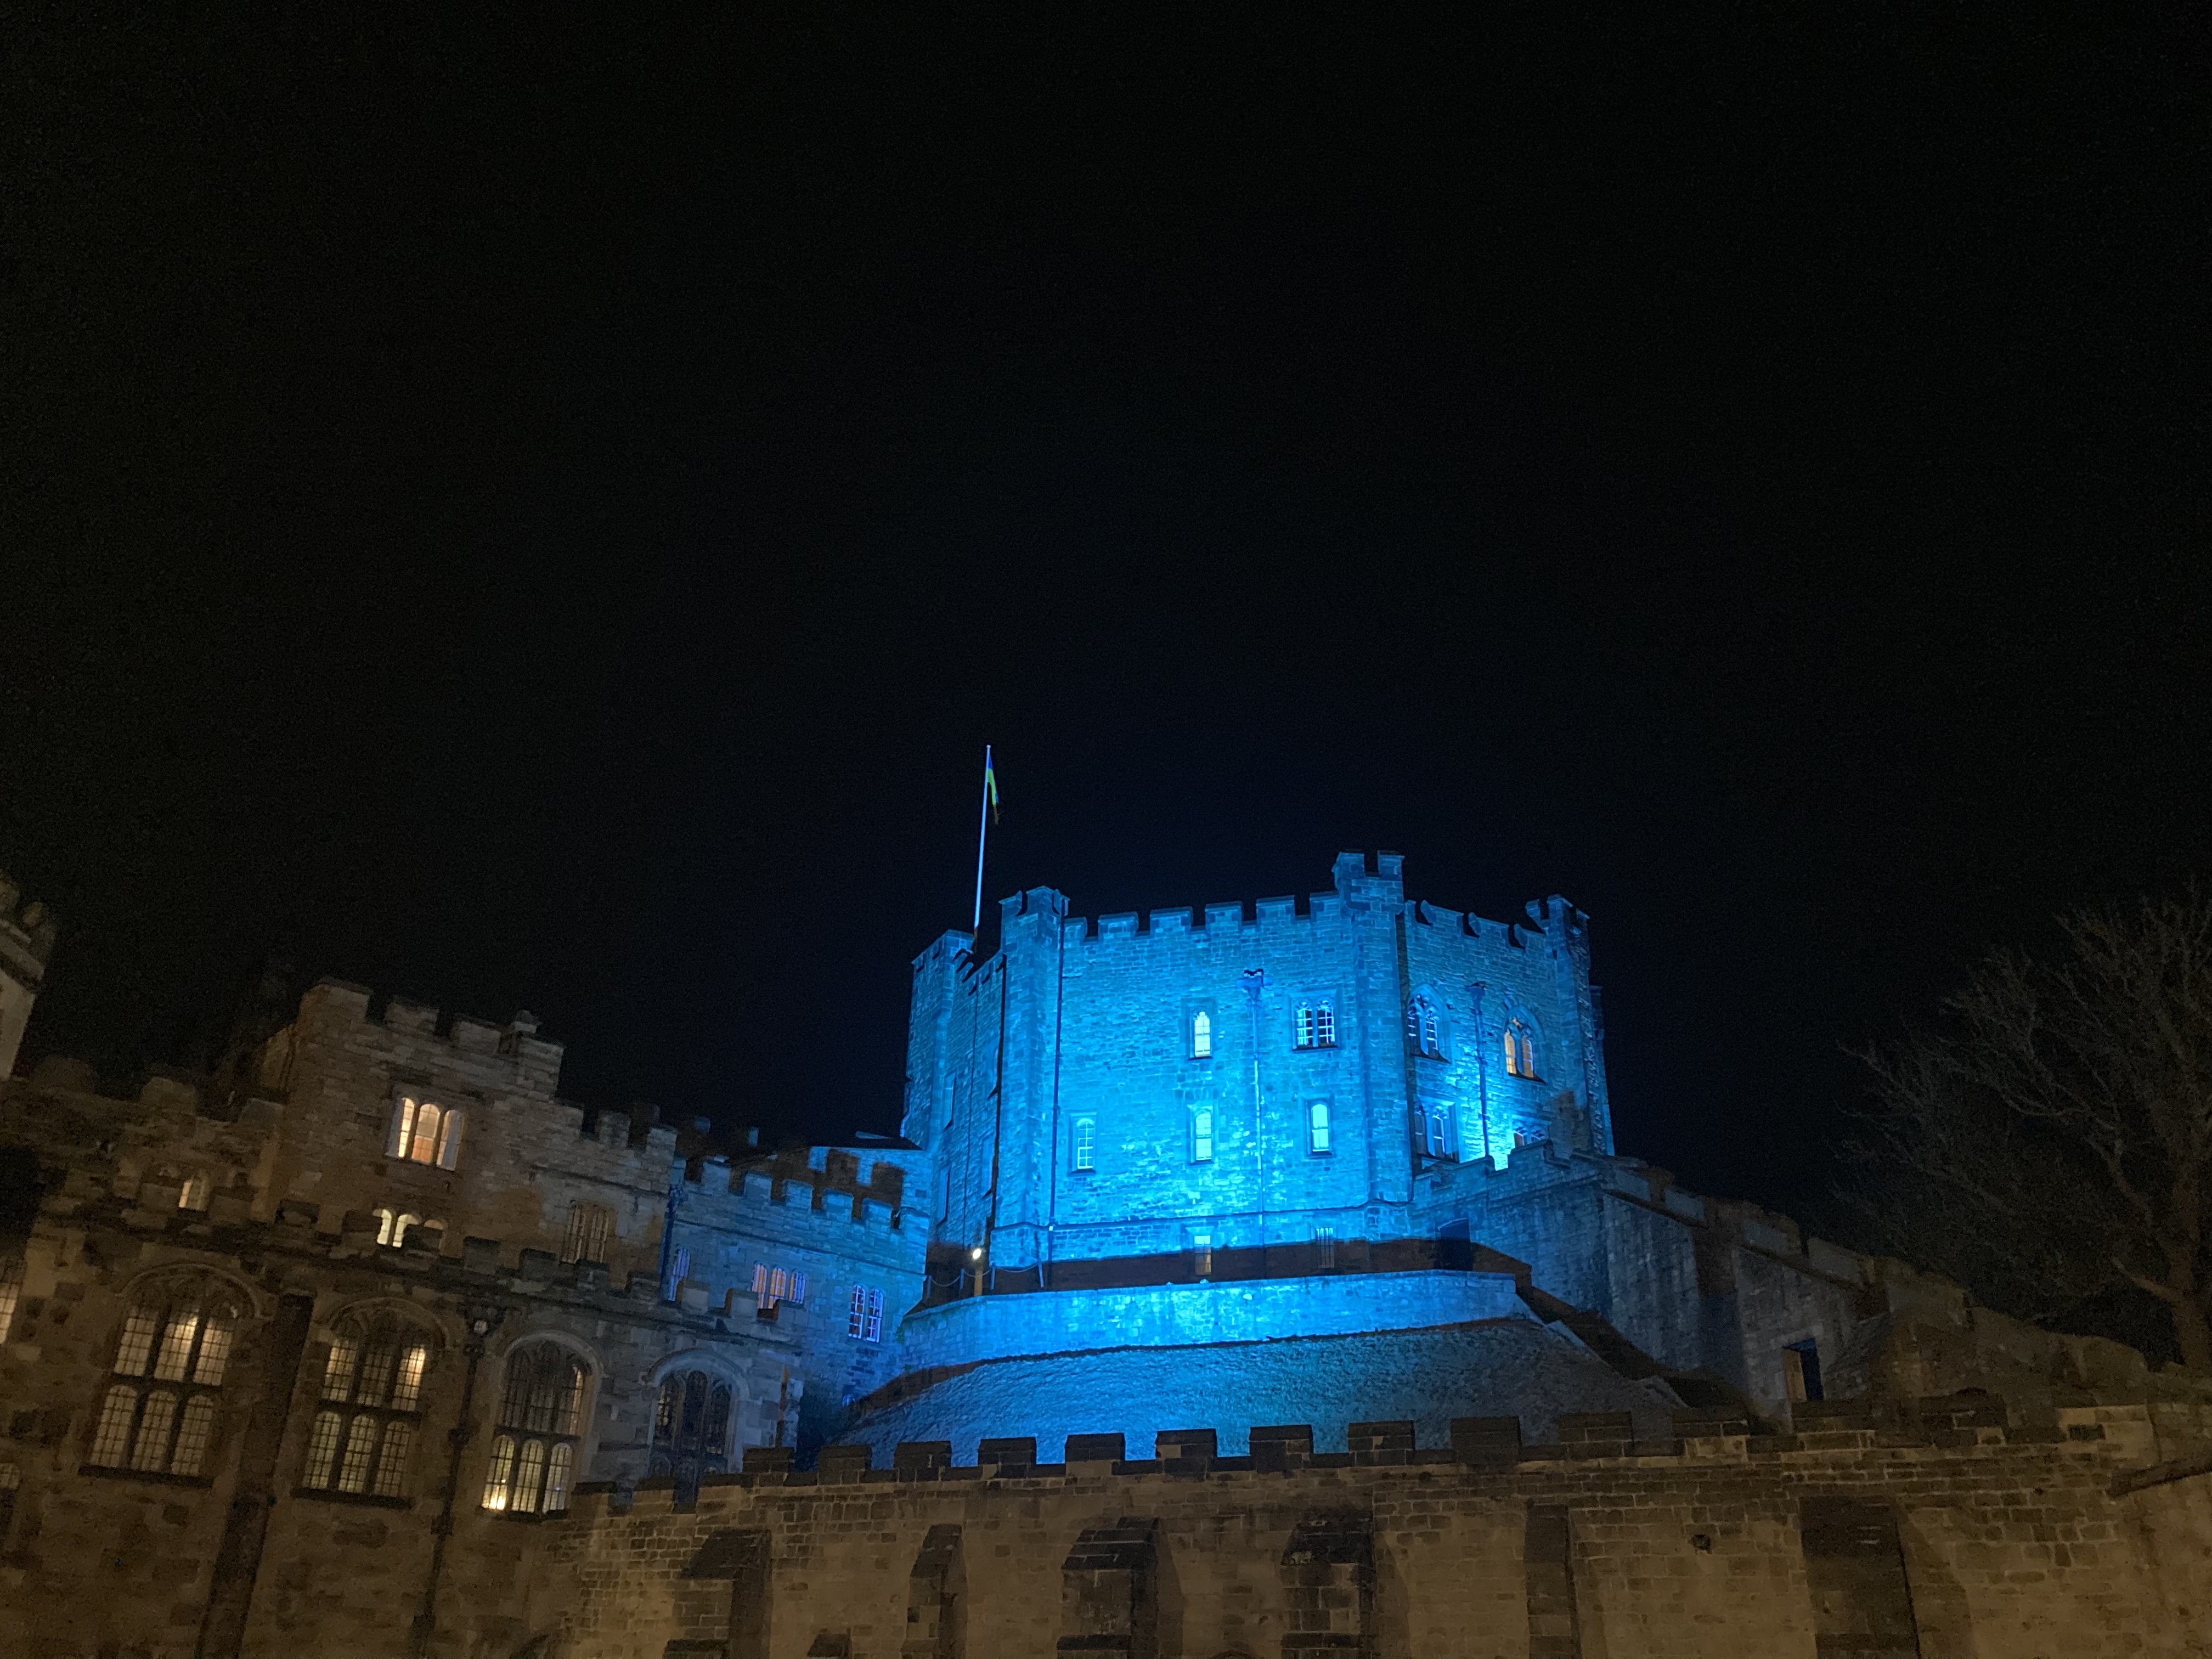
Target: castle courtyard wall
{"x": 2001, "y": 1544}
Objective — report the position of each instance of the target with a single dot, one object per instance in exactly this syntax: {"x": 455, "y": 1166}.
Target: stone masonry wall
{"x": 1987, "y": 1540}
{"x": 526, "y": 1157}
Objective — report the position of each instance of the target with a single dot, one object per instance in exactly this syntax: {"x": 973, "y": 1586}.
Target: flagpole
{"x": 982, "y": 835}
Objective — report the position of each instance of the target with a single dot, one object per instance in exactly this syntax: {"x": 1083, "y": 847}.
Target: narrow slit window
{"x": 1201, "y": 1035}
{"x": 1201, "y": 1135}
{"x": 1086, "y": 1143}
{"x": 11, "y": 1288}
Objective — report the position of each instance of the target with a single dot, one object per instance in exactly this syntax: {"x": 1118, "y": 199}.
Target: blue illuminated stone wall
{"x": 1074, "y": 1034}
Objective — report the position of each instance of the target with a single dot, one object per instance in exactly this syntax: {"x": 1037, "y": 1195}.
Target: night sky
{"x": 538, "y": 515}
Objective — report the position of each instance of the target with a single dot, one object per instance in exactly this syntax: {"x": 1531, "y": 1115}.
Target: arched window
{"x": 158, "y": 1415}
{"x": 1201, "y": 1035}
{"x": 1201, "y": 1135}
{"x": 1086, "y": 1143}
{"x": 1520, "y": 1049}
{"x": 423, "y": 1133}
{"x": 1422, "y": 1029}
{"x": 372, "y": 1410}
{"x": 541, "y": 1420}
{"x": 691, "y": 1431}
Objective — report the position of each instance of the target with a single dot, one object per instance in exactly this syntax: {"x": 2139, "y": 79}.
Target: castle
{"x": 1258, "y": 1280}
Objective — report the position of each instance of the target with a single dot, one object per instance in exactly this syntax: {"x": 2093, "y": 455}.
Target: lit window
{"x": 424, "y": 1133}
{"x": 1201, "y": 1251}
{"x": 392, "y": 1229}
{"x": 193, "y": 1195}
{"x": 1201, "y": 1035}
{"x": 1086, "y": 1143}
{"x": 775, "y": 1285}
{"x": 1316, "y": 1025}
{"x": 589, "y": 1228}
{"x": 1520, "y": 1050}
{"x": 1201, "y": 1135}
{"x": 372, "y": 1404}
{"x": 173, "y": 1350}
{"x": 690, "y": 1433}
{"x": 11, "y": 1290}
{"x": 541, "y": 1416}
{"x": 1421, "y": 1027}
{"x": 867, "y": 1318}
{"x": 1318, "y": 1127}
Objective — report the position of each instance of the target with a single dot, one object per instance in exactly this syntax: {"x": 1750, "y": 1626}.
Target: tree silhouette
{"x": 2048, "y": 1138}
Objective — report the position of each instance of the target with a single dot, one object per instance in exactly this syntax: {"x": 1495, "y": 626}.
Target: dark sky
{"x": 532, "y": 515}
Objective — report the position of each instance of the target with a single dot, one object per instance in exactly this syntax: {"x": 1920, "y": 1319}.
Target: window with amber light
{"x": 364, "y": 1434}
{"x": 424, "y": 1132}
{"x": 541, "y": 1423}
{"x": 1520, "y": 1049}
{"x": 158, "y": 1413}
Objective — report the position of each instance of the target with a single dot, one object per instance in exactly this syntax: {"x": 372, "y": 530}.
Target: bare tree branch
{"x": 2048, "y": 1138}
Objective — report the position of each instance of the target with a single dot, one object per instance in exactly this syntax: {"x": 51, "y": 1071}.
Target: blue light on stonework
{"x": 1503, "y": 1368}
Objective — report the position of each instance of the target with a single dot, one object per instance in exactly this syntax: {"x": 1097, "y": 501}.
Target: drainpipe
{"x": 483, "y": 1319}
{"x": 1481, "y": 1065}
{"x": 1254, "y": 982}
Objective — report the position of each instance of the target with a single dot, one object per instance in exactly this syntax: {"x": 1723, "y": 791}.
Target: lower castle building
{"x": 1257, "y": 1281}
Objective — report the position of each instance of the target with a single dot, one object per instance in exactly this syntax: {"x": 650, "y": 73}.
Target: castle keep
{"x": 1253, "y": 1280}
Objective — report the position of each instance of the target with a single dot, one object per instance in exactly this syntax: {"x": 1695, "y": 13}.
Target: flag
{"x": 990, "y": 784}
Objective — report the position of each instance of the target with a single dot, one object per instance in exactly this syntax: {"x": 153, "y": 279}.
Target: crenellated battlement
{"x": 1269, "y": 916}
{"x": 332, "y": 1005}
{"x": 2113, "y": 1430}
{"x": 303, "y": 1232}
